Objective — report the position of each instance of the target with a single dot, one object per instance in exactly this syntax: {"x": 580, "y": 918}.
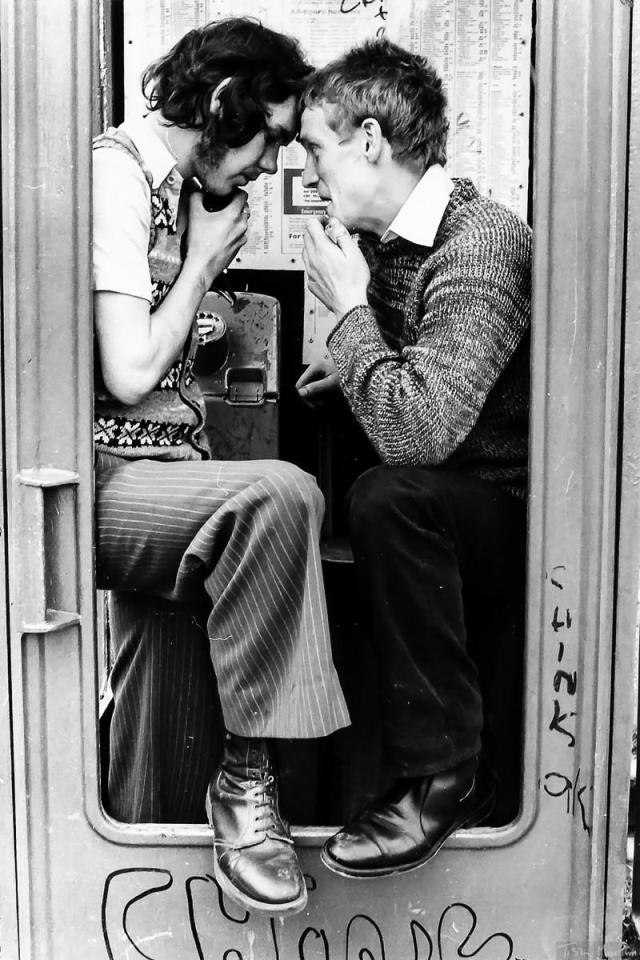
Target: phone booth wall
{"x": 547, "y": 885}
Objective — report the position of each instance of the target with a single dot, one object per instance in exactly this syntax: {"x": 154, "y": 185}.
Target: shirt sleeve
{"x": 121, "y": 224}
{"x": 419, "y": 403}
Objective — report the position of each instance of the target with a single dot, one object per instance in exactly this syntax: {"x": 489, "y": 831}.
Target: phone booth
{"x": 548, "y": 886}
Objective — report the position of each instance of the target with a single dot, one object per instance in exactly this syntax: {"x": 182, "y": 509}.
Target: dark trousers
{"x": 166, "y": 730}
{"x": 440, "y": 568}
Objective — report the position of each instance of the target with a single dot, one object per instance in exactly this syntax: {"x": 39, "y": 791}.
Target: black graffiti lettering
{"x": 560, "y": 651}
{"x": 320, "y": 935}
{"x": 276, "y": 949}
{"x": 566, "y": 786}
{"x": 364, "y": 953}
{"x": 192, "y": 917}
{"x": 571, "y": 680}
{"x": 140, "y": 896}
{"x": 573, "y": 792}
{"x": 583, "y": 812}
{"x": 222, "y": 903}
{"x": 557, "y": 623}
{"x": 557, "y": 721}
{"x": 464, "y": 916}
{"x": 417, "y": 928}
{"x": 349, "y": 6}
{"x": 364, "y": 940}
{"x": 382, "y": 13}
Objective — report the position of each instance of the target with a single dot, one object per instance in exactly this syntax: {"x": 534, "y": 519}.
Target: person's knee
{"x": 296, "y": 489}
{"x": 374, "y": 498}
{"x": 385, "y": 492}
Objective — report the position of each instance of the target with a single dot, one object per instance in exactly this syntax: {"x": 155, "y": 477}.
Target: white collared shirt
{"x": 121, "y": 210}
{"x": 154, "y": 151}
{"x": 420, "y": 215}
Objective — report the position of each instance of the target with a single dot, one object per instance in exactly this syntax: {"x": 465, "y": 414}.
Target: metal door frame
{"x": 579, "y": 180}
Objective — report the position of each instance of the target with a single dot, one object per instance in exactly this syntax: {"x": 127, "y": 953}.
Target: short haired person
{"x": 431, "y": 351}
{"x": 176, "y": 529}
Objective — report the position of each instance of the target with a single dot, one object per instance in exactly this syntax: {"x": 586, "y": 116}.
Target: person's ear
{"x": 373, "y": 139}
{"x": 215, "y": 105}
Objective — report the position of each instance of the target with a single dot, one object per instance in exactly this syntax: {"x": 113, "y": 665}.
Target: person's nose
{"x": 309, "y": 174}
{"x": 269, "y": 159}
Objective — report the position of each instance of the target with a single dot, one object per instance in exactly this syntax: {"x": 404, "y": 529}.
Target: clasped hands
{"x": 338, "y": 275}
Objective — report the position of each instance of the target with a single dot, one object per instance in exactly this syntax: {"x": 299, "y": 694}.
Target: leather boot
{"x": 407, "y": 826}
{"x": 254, "y": 860}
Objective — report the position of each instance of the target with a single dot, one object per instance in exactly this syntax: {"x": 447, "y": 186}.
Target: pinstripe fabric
{"x": 248, "y": 533}
{"x": 166, "y": 730}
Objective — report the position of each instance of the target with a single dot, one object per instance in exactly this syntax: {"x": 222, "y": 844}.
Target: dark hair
{"x": 264, "y": 67}
{"x": 400, "y": 90}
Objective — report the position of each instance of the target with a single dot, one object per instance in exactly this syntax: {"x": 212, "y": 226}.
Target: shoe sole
{"x": 257, "y": 906}
{"x": 372, "y": 873}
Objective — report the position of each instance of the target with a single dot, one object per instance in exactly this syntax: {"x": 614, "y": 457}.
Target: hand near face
{"x": 215, "y": 238}
{"x": 337, "y": 273}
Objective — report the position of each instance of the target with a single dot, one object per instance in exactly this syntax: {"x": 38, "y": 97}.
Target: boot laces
{"x": 265, "y": 816}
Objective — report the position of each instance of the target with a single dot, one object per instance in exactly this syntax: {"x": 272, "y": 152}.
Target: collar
{"x": 420, "y": 215}
{"x": 155, "y": 153}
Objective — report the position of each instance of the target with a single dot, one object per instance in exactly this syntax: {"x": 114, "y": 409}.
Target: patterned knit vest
{"x": 168, "y": 423}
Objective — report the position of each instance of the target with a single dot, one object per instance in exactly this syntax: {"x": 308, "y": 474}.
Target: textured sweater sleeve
{"x": 470, "y": 309}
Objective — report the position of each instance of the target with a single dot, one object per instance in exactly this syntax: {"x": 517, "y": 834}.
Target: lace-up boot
{"x": 254, "y": 860}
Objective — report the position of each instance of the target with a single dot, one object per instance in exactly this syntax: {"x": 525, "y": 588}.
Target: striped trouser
{"x": 239, "y": 541}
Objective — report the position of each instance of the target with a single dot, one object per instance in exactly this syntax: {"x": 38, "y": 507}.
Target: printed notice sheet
{"x": 481, "y": 48}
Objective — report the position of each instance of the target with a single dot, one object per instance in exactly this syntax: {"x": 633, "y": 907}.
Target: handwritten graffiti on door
{"x": 146, "y": 915}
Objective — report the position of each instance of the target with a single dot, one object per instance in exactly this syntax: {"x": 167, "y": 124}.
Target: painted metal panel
{"x": 8, "y": 882}
{"x": 581, "y": 91}
{"x": 91, "y": 888}
{"x": 627, "y": 612}
{"x": 47, "y": 337}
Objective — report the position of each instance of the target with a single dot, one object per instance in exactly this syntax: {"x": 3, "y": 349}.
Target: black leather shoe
{"x": 408, "y": 825}
{"x": 254, "y": 861}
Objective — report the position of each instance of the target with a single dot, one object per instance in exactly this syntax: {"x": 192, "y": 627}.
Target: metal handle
{"x": 36, "y": 507}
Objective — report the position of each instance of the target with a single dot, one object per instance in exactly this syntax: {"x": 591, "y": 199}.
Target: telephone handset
{"x": 213, "y": 204}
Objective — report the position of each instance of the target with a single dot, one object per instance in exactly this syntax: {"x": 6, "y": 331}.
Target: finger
{"x": 313, "y": 372}
{"x": 319, "y": 388}
{"x": 305, "y": 377}
{"x": 338, "y": 233}
{"x": 240, "y": 200}
{"x": 314, "y": 231}
{"x": 307, "y": 393}
{"x": 310, "y": 256}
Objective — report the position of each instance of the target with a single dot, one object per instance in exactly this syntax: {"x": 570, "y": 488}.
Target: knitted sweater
{"x": 168, "y": 423}
{"x": 436, "y": 367}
